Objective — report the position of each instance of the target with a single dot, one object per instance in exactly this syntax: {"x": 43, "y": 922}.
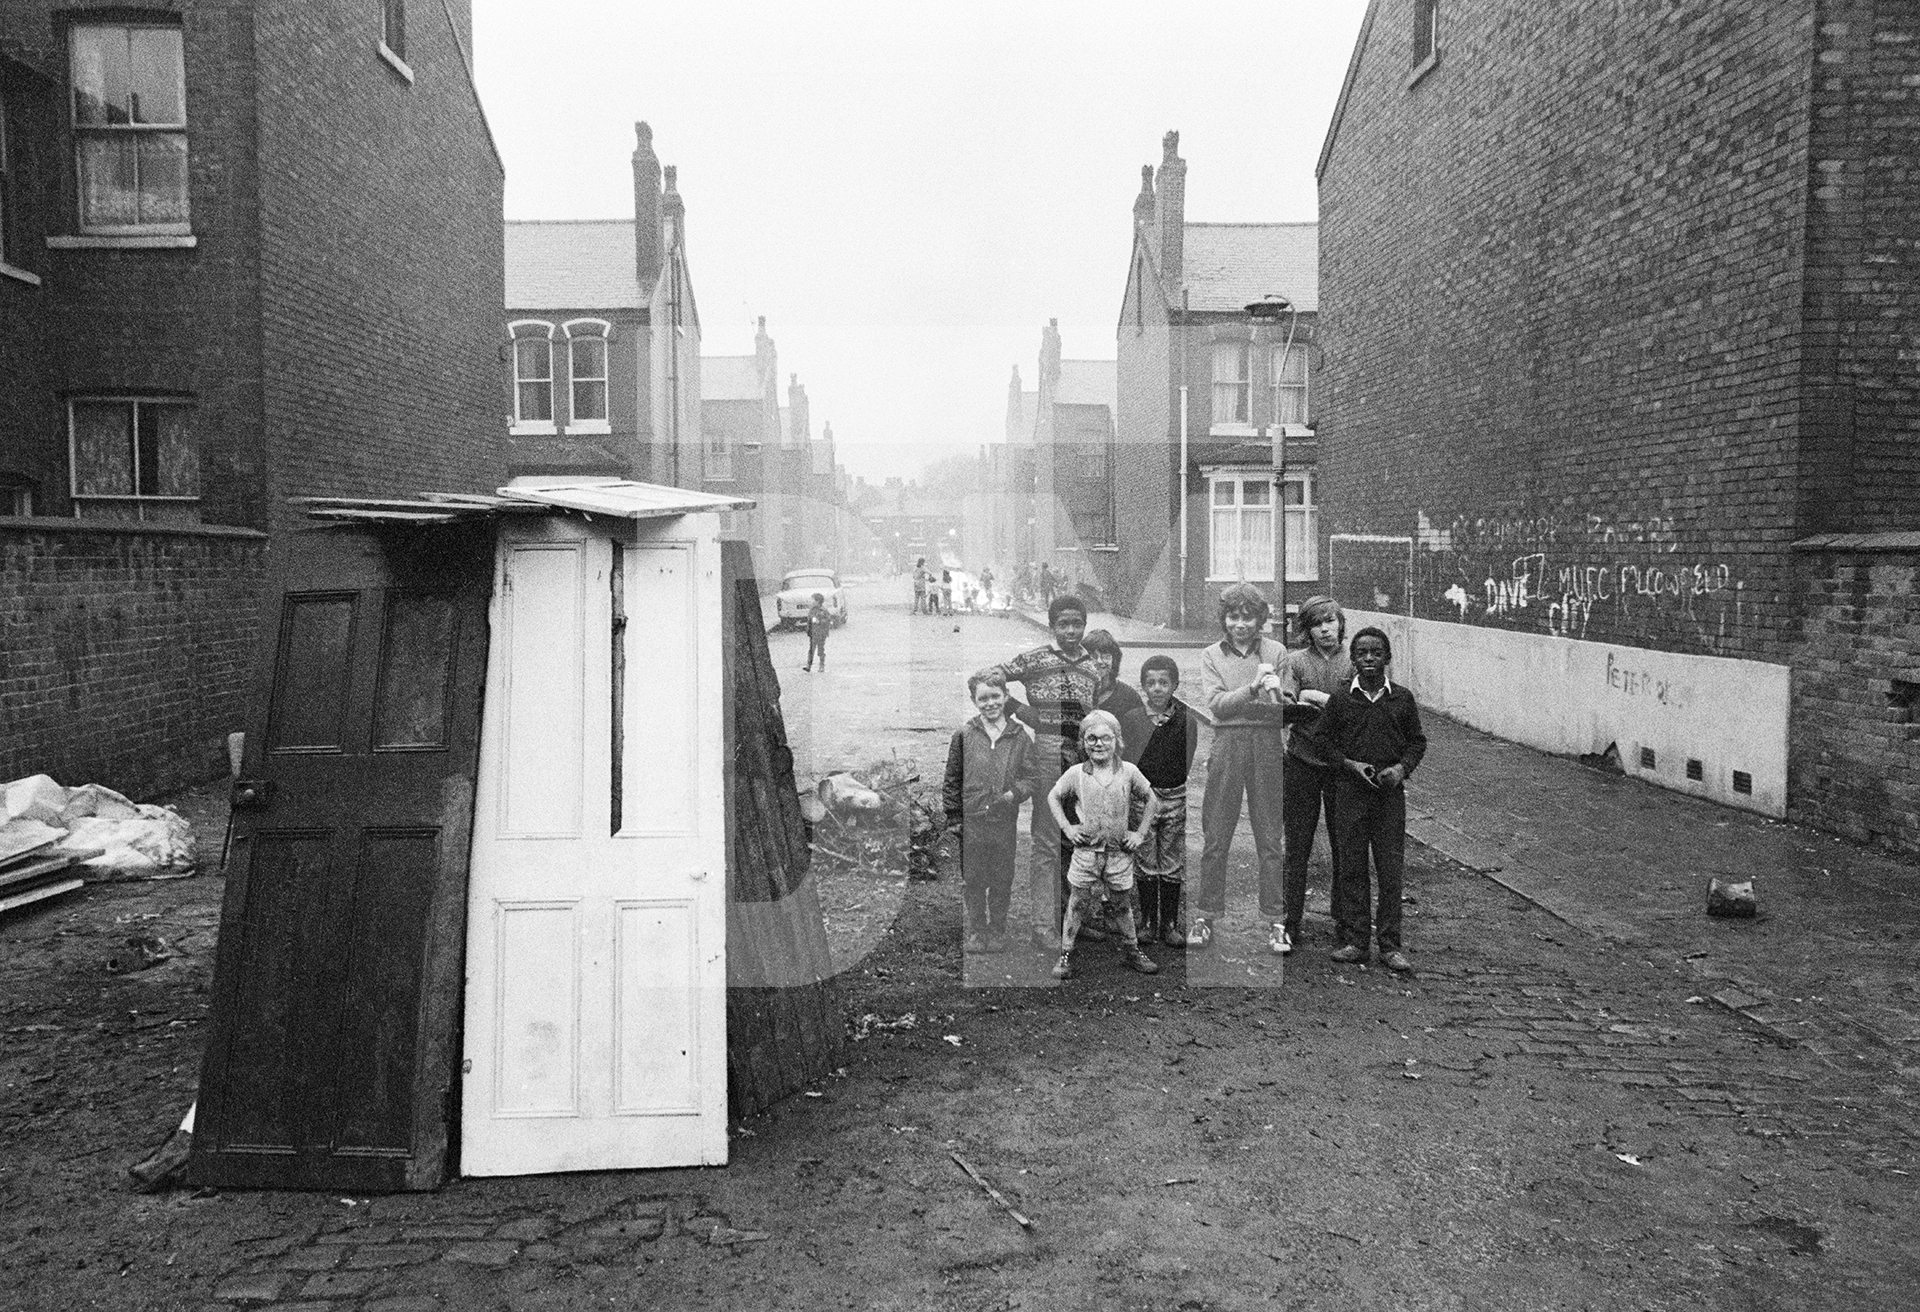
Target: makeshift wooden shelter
{"x": 519, "y": 875}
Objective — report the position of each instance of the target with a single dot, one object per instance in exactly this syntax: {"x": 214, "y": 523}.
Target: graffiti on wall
{"x": 1572, "y": 576}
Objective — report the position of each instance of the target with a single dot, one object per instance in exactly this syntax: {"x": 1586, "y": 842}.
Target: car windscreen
{"x": 818, "y": 582}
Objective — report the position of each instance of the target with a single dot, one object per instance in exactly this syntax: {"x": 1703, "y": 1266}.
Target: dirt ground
{"x": 1535, "y": 1120}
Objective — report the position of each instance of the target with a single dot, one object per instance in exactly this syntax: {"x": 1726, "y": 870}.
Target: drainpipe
{"x": 1180, "y": 479}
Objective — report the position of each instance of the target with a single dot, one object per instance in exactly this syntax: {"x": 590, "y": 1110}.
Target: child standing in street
{"x": 819, "y": 624}
{"x": 1241, "y": 692}
{"x": 1310, "y": 678}
{"x": 1161, "y": 742}
{"x": 1105, "y": 791}
{"x": 990, "y": 770}
{"x": 1371, "y": 730}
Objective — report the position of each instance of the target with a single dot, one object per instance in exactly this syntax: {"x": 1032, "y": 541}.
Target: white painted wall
{"x": 1571, "y": 697}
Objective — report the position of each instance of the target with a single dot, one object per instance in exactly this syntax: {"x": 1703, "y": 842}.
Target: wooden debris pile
{"x": 35, "y": 864}
{"x": 881, "y": 822}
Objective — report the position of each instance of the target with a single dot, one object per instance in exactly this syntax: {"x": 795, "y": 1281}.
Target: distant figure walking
{"x": 819, "y": 625}
{"x": 946, "y": 592}
{"x": 1047, "y": 584}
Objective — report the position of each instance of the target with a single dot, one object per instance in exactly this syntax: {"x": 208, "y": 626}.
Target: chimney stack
{"x": 674, "y": 228}
{"x": 1143, "y": 203}
{"x": 1171, "y": 204}
{"x": 799, "y": 419}
{"x": 648, "y": 248}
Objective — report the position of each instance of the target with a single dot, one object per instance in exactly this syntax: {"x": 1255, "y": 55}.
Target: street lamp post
{"x": 1267, "y": 312}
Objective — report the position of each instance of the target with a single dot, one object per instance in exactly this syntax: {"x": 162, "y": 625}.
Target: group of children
{"x": 1294, "y": 733}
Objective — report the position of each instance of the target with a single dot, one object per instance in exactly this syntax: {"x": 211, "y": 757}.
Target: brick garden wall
{"x": 125, "y": 653}
{"x": 1856, "y": 698}
{"x": 1560, "y": 290}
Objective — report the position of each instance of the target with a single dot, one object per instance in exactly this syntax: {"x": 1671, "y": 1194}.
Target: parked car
{"x": 795, "y": 597}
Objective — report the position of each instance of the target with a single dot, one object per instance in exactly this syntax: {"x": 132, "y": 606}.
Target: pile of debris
{"x": 53, "y": 839}
{"x": 876, "y": 822}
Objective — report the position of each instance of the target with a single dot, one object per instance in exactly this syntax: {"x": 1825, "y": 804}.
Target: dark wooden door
{"x": 330, "y": 1061}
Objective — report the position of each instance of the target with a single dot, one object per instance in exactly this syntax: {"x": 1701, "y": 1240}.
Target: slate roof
{"x": 1228, "y": 265}
{"x": 729, "y": 378}
{"x": 1089, "y": 382}
{"x": 572, "y": 264}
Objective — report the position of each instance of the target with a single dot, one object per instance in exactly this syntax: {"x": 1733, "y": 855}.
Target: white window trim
{"x": 73, "y": 465}
{"x": 1240, "y": 474}
{"x": 150, "y": 241}
{"x": 516, "y": 426}
{"x": 397, "y": 64}
{"x": 603, "y": 330}
{"x": 19, "y": 275}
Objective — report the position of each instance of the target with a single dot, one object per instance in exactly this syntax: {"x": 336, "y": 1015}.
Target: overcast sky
{"x": 909, "y": 192}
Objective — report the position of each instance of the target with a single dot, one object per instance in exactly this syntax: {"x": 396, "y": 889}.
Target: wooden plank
{"x": 11, "y": 901}
{"x": 47, "y": 864}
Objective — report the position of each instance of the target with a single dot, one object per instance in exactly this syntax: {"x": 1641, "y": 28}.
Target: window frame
{"x": 1239, "y": 390}
{"x": 1426, "y": 39}
{"x": 1239, "y": 477}
{"x": 1301, "y": 521}
{"x": 576, "y": 330}
{"x": 82, "y": 133}
{"x": 518, "y": 426}
{"x": 140, "y": 500}
{"x": 1277, "y": 359}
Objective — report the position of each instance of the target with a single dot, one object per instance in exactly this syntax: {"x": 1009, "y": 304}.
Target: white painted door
{"x": 596, "y": 937}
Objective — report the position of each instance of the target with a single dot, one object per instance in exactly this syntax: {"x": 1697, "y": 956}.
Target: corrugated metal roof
{"x": 1226, "y": 266}
{"x": 616, "y": 497}
{"x": 730, "y": 378}
{"x": 573, "y": 264}
{"x": 621, "y": 498}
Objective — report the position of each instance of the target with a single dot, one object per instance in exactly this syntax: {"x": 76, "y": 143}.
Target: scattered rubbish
{"x": 954, "y": 1039}
{"x": 148, "y": 951}
{"x": 1411, "y": 1075}
{"x": 1629, "y": 1159}
{"x": 1696, "y": 1000}
{"x": 1342, "y": 1234}
{"x": 1731, "y": 900}
{"x": 870, "y": 1023}
{"x": 813, "y": 1093}
{"x": 992, "y": 1193}
{"x": 1180, "y": 1179}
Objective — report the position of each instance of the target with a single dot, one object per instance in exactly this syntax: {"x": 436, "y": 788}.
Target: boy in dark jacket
{"x": 990, "y": 772}
{"x": 819, "y": 625}
{"x": 1161, "y": 738}
{"x": 1371, "y": 731}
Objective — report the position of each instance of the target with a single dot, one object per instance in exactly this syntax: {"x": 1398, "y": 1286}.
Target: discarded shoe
{"x": 1349, "y": 954}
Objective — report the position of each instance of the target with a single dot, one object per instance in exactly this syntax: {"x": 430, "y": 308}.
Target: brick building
{"x": 1202, "y": 389}
{"x": 794, "y": 475}
{"x": 1619, "y": 406}
{"x": 243, "y": 254}
{"x": 604, "y": 353}
{"x": 247, "y": 251}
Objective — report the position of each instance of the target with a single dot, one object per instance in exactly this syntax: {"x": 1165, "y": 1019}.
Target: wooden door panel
{"x": 377, "y": 1038}
{"x": 536, "y": 1002}
{"x": 657, "y": 1017}
{"x": 272, "y": 1061}
{"x": 542, "y": 710}
{"x": 661, "y": 701}
{"x": 314, "y": 671}
{"x": 336, "y": 982}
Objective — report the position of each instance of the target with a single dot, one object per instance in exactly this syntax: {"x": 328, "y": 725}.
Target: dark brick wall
{"x": 1856, "y": 698}
{"x": 125, "y": 653}
{"x": 151, "y": 322}
{"x": 1861, "y": 462}
{"x": 1561, "y": 280}
{"x": 381, "y": 247}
